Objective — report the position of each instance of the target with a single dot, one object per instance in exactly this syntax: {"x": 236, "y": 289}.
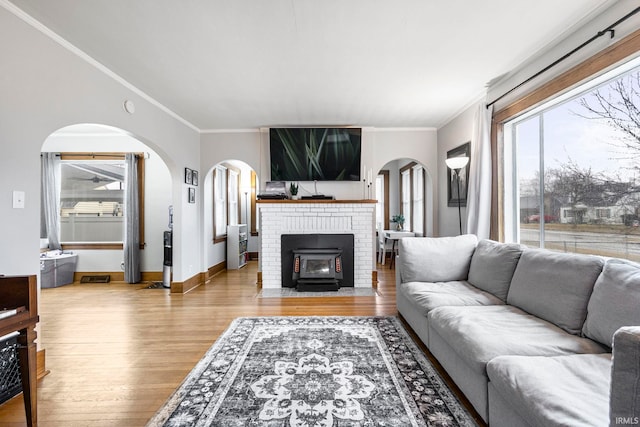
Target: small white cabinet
{"x": 237, "y": 240}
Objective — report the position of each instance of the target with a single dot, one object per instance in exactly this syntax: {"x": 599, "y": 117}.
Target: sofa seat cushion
{"x": 481, "y": 333}
{"x": 555, "y": 391}
{"x": 428, "y": 295}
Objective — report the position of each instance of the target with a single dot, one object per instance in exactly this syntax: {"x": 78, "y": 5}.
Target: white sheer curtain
{"x": 51, "y": 197}
{"x": 132, "y": 227}
{"x": 479, "y": 193}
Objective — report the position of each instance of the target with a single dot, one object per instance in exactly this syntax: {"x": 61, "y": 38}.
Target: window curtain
{"x": 51, "y": 197}
{"x": 132, "y": 227}
{"x": 479, "y": 192}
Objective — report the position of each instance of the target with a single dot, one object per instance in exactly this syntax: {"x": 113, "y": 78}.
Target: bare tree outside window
{"x": 576, "y": 165}
{"x": 619, "y": 106}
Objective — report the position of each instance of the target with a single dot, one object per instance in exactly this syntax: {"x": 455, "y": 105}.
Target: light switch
{"x": 18, "y": 200}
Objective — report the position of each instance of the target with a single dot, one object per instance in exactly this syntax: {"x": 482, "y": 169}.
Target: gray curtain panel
{"x": 51, "y": 197}
{"x": 132, "y": 228}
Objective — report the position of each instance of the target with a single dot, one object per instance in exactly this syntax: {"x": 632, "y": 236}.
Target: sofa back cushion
{"x": 615, "y": 301}
{"x": 435, "y": 259}
{"x": 555, "y": 286}
{"x": 492, "y": 266}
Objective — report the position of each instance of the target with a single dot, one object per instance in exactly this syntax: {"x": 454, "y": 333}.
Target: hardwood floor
{"x": 117, "y": 351}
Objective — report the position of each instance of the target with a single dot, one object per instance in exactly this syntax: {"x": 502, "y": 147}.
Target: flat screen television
{"x": 315, "y": 154}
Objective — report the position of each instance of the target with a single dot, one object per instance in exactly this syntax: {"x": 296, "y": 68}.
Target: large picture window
{"x": 92, "y": 199}
{"x": 92, "y": 191}
{"x": 574, "y": 167}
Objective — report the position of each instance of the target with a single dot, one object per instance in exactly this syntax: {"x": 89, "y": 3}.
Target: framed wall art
{"x": 462, "y": 177}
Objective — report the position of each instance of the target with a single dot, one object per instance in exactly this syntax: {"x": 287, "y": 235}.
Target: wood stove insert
{"x": 316, "y": 257}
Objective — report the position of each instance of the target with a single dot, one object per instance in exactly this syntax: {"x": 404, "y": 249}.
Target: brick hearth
{"x": 355, "y": 217}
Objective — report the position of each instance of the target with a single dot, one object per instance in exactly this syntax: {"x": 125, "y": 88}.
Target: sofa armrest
{"x": 625, "y": 377}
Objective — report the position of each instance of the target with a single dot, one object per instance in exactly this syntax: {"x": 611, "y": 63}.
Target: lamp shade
{"x": 457, "y": 162}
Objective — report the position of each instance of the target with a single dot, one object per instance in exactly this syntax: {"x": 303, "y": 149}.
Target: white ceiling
{"x": 253, "y": 63}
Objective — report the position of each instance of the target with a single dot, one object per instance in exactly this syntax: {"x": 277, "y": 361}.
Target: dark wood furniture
{"x": 20, "y": 293}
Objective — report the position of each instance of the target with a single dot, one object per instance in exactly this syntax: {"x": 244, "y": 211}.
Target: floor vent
{"x": 95, "y": 279}
{"x": 155, "y": 285}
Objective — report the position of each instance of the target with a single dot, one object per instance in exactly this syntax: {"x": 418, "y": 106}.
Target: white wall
{"x": 156, "y": 202}
{"x": 566, "y": 42}
{"x": 419, "y": 145}
{"x": 45, "y": 87}
{"x": 455, "y": 133}
{"x": 252, "y": 147}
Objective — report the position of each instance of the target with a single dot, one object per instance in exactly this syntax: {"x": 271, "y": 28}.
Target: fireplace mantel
{"x": 315, "y": 216}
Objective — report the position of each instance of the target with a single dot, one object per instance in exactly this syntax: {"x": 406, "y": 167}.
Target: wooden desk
{"x": 21, "y": 293}
{"x": 393, "y": 235}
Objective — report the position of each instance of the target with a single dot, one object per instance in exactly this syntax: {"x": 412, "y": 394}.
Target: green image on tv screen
{"x": 310, "y": 154}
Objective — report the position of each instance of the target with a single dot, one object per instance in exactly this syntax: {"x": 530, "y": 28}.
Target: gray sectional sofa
{"x": 530, "y": 336}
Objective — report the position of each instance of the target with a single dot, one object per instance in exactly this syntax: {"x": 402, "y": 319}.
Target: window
{"x": 382, "y": 196}
{"x": 92, "y": 191}
{"x": 412, "y": 200}
{"x": 574, "y": 167}
{"x": 254, "y": 185}
{"x": 91, "y": 201}
{"x": 405, "y": 195}
{"x": 417, "y": 201}
{"x": 234, "y": 195}
{"x": 219, "y": 203}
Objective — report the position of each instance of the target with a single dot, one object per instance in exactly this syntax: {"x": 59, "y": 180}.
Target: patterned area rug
{"x": 313, "y": 372}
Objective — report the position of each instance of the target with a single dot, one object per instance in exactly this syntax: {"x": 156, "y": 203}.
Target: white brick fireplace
{"x": 280, "y": 217}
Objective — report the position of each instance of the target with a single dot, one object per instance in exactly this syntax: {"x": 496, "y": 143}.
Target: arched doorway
{"x": 404, "y": 188}
{"x": 91, "y": 192}
{"x": 230, "y": 189}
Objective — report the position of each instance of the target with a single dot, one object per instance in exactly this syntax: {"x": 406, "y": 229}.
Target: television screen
{"x": 309, "y": 154}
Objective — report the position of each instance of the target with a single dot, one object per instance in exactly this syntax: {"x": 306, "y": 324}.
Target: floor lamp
{"x": 455, "y": 164}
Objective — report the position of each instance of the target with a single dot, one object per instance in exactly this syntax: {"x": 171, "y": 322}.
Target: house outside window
{"x": 92, "y": 191}
{"x": 91, "y": 199}
{"x": 574, "y": 163}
